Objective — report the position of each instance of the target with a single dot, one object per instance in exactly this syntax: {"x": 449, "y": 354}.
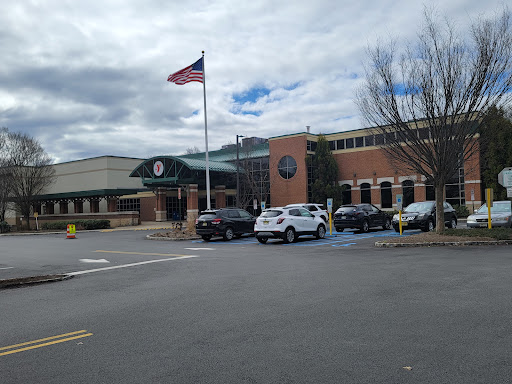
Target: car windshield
{"x": 419, "y": 207}
{"x": 271, "y": 213}
{"x": 496, "y": 208}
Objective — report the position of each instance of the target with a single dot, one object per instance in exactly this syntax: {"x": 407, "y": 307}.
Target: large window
{"x": 386, "y": 195}
{"x": 408, "y": 192}
{"x": 124, "y": 205}
{"x": 346, "y": 194}
{"x": 366, "y": 193}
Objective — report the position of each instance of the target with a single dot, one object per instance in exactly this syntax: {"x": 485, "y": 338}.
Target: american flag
{"x": 193, "y": 72}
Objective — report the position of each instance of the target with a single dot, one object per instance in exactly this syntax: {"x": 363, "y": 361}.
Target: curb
{"x": 381, "y": 244}
{"x": 22, "y": 281}
{"x": 158, "y": 238}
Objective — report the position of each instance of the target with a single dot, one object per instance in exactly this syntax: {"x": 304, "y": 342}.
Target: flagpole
{"x": 208, "y": 203}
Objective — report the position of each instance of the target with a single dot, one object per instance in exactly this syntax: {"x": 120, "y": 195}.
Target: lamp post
{"x": 237, "y": 172}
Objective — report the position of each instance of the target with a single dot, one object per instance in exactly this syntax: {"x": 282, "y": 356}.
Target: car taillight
{"x": 216, "y": 221}
{"x": 280, "y": 220}
{"x": 197, "y": 221}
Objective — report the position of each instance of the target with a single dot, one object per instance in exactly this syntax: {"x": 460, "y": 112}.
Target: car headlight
{"x": 395, "y": 217}
{"x": 471, "y": 220}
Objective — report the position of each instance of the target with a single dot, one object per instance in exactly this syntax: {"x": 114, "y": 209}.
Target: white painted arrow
{"x": 201, "y": 249}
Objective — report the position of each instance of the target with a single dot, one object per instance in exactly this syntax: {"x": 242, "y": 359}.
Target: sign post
{"x": 262, "y": 206}
{"x": 37, "y": 224}
{"x": 489, "y": 196}
{"x": 399, "y": 203}
{"x": 329, "y": 210}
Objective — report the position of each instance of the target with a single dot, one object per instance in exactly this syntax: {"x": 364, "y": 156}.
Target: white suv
{"x": 288, "y": 223}
{"x": 315, "y": 209}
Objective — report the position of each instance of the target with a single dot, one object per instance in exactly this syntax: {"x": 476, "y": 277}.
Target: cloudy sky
{"x": 88, "y": 78}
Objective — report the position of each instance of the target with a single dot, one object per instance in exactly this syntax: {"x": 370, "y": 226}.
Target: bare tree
{"x": 192, "y": 150}
{"x": 30, "y": 171}
{"x": 427, "y": 103}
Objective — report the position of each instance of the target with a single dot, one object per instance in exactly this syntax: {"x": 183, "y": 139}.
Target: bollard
{"x": 71, "y": 231}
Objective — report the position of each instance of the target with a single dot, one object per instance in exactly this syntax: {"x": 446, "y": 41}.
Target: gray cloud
{"x": 89, "y": 78}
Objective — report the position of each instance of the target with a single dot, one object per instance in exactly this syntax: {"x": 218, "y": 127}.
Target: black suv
{"x": 360, "y": 216}
{"x": 225, "y": 222}
{"x": 422, "y": 215}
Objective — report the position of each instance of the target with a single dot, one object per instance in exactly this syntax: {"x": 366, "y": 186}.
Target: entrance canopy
{"x": 165, "y": 171}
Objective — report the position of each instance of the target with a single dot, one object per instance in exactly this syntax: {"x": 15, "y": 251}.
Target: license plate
{"x": 343, "y": 216}
{"x": 404, "y": 223}
{"x": 265, "y": 222}
{"x": 205, "y": 224}
{"x": 484, "y": 224}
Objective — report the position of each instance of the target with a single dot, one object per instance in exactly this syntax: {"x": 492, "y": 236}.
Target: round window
{"x": 287, "y": 167}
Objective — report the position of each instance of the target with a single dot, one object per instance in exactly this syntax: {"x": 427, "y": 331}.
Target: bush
{"x": 4, "y": 227}
{"x": 461, "y": 210}
{"x": 79, "y": 224}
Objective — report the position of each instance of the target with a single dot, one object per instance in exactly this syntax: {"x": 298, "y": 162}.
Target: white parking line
{"x": 128, "y": 265}
{"x": 6, "y": 267}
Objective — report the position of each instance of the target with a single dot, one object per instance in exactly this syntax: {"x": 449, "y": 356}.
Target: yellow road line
{"x": 44, "y": 344}
{"x": 140, "y": 253}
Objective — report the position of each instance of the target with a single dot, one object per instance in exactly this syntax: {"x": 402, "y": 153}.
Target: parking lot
{"x": 332, "y": 310}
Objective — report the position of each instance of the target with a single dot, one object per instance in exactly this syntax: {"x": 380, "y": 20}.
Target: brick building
{"x": 173, "y": 187}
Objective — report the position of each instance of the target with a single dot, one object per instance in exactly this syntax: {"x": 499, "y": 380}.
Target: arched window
{"x": 366, "y": 193}
{"x": 408, "y": 192}
{"x": 386, "y": 195}
{"x": 346, "y": 195}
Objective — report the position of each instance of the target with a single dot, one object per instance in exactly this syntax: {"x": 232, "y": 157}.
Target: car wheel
{"x": 429, "y": 227}
{"x": 453, "y": 223}
{"x": 339, "y": 229}
{"x": 366, "y": 226}
{"x": 387, "y": 224}
{"x": 396, "y": 228}
{"x": 229, "y": 234}
{"x": 320, "y": 232}
{"x": 262, "y": 240}
{"x": 289, "y": 235}
{"x": 206, "y": 237}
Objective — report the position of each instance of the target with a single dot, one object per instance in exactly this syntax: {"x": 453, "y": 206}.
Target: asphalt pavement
{"x": 243, "y": 312}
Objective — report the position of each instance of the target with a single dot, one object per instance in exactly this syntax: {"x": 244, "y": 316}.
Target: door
{"x": 309, "y": 221}
{"x": 247, "y": 221}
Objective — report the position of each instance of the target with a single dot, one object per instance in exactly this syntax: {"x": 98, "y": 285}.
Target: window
{"x": 332, "y": 145}
{"x": 311, "y": 145}
{"x": 359, "y": 142}
{"x": 233, "y": 214}
{"x": 379, "y": 139}
{"x": 346, "y": 195}
{"x": 294, "y": 212}
{"x": 124, "y": 205}
{"x": 340, "y": 144}
{"x": 311, "y": 208}
{"x": 349, "y": 143}
{"x": 423, "y": 133}
{"x": 244, "y": 214}
{"x": 287, "y": 167}
{"x": 366, "y": 193}
{"x": 386, "y": 195}
{"x": 408, "y": 192}
{"x": 369, "y": 141}
{"x": 430, "y": 192}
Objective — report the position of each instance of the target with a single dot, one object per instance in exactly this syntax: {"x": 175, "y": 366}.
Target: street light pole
{"x": 237, "y": 172}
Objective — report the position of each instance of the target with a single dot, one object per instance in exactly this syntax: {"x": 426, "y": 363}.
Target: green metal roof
{"x": 86, "y": 194}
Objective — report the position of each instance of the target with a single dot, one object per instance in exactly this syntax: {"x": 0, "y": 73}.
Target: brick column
{"x": 63, "y": 207}
{"x": 192, "y": 205}
{"x": 94, "y": 205}
{"x": 161, "y": 211}
{"x": 112, "y": 204}
{"x": 79, "y": 206}
{"x": 50, "y": 208}
{"x": 220, "y": 196}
